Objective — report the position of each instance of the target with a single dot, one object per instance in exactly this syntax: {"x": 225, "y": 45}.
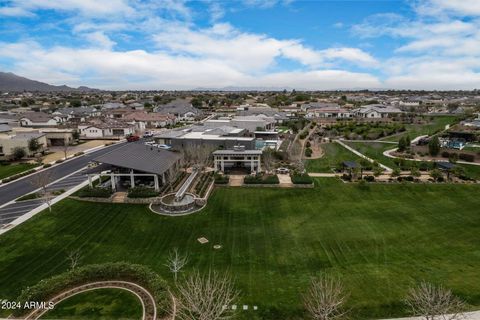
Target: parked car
{"x": 148, "y": 134}
{"x": 133, "y": 138}
{"x": 150, "y": 143}
{"x": 283, "y": 170}
{"x": 164, "y": 146}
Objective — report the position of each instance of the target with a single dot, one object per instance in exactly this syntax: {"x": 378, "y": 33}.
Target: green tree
{"x": 396, "y": 172}
{"x": 76, "y": 135}
{"x": 33, "y": 145}
{"x": 434, "y": 146}
{"x": 414, "y": 172}
{"x": 19, "y": 153}
{"x": 402, "y": 144}
{"x": 76, "y": 103}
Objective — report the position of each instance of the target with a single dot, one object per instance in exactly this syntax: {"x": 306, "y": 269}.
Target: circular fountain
{"x": 180, "y": 202}
{"x": 171, "y": 203}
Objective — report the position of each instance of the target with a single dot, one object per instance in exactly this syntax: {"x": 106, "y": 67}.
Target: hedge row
{"x": 142, "y": 192}
{"x": 301, "y": 178}
{"x": 119, "y": 271}
{"x": 261, "y": 179}
{"x": 95, "y": 192}
{"x": 18, "y": 175}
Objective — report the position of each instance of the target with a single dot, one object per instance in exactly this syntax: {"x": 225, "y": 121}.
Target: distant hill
{"x": 12, "y": 82}
{"x": 232, "y": 88}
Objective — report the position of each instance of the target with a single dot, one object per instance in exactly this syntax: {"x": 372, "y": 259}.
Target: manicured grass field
{"x": 100, "y": 304}
{"x": 378, "y": 239}
{"x": 334, "y": 154}
{"x": 7, "y": 170}
{"x": 435, "y": 123}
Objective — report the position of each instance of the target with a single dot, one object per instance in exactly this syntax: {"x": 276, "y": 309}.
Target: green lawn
{"x": 7, "y": 170}
{"x": 374, "y": 150}
{"x": 378, "y": 240}
{"x": 100, "y": 304}
{"x": 334, "y": 154}
{"x": 415, "y": 130}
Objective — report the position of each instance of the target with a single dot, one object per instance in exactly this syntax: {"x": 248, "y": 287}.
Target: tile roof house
{"x": 39, "y": 119}
{"x": 376, "y": 111}
{"x": 181, "y": 108}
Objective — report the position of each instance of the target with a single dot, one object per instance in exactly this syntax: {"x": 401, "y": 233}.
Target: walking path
{"x": 148, "y": 302}
{"x": 388, "y": 153}
{"x": 361, "y": 155}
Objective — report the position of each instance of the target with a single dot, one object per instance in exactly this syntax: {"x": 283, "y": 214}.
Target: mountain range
{"x": 12, "y": 82}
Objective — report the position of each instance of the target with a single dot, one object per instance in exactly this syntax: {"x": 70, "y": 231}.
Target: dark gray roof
{"x": 444, "y": 165}
{"x": 177, "y": 107}
{"x": 5, "y": 128}
{"x": 350, "y": 164}
{"x": 140, "y": 157}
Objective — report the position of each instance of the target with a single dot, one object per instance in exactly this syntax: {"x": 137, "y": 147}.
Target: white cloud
{"x": 455, "y": 7}
{"x": 15, "y": 12}
{"x": 99, "y": 39}
{"x": 85, "y": 7}
{"x": 138, "y": 69}
{"x": 247, "y": 51}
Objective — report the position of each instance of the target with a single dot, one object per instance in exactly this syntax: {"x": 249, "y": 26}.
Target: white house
{"x": 106, "y": 130}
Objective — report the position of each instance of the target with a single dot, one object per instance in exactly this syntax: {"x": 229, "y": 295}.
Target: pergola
{"x": 238, "y": 156}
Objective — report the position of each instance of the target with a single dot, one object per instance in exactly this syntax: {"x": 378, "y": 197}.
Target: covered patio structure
{"x": 134, "y": 163}
{"x": 237, "y": 157}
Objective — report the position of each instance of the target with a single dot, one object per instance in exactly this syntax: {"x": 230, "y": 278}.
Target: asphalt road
{"x": 15, "y": 189}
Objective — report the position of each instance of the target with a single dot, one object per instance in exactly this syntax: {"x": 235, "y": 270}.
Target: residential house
{"x": 106, "y": 130}
{"x": 376, "y": 111}
{"x": 182, "y": 109}
{"x": 39, "y": 119}
{"x": 9, "y": 142}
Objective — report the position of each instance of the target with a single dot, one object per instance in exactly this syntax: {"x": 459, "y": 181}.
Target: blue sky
{"x": 342, "y": 44}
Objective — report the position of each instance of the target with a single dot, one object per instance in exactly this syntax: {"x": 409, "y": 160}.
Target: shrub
{"x": 221, "y": 179}
{"x": 445, "y": 154}
{"x": 123, "y": 271}
{"x": 141, "y": 192}
{"x": 308, "y": 152}
{"x": 95, "y": 192}
{"x": 308, "y": 144}
{"x": 301, "y": 178}
{"x": 19, "y": 153}
{"x": 369, "y": 178}
{"x": 466, "y": 157}
{"x": 47, "y": 165}
{"x": 78, "y": 154}
{"x": 59, "y": 161}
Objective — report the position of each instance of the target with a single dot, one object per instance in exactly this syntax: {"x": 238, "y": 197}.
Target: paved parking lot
{"x": 14, "y": 210}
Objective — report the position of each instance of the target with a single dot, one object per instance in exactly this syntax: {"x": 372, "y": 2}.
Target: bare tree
{"x": 268, "y": 159}
{"x": 74, "y": 257}
{"x": 434, "y": 302}
{"x": 325, "y": 299}
{"x": 176, "y": 262}
{"x": 206, "y": 297}
{"x": 65, "y": 148}
{"x": 41, "y": 180}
